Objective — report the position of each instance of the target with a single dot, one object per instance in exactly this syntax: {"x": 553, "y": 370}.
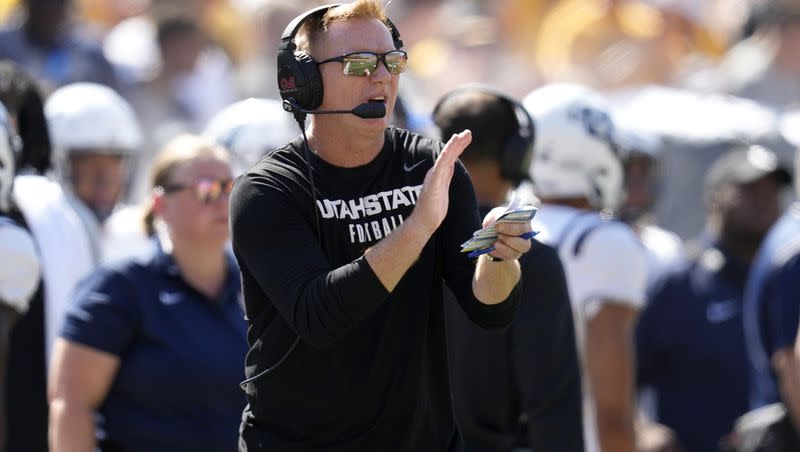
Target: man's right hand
{"x": 434, "y": 197}
{"x": 391, "y": 257}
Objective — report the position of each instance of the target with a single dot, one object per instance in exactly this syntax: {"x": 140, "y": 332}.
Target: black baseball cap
{"x": 743, "y": 165}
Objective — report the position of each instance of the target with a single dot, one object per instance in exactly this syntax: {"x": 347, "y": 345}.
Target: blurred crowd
{"x": 129, "y": 119}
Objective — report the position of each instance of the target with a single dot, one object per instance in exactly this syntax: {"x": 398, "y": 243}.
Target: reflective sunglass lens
{"x": 360, "y": 64}
{"x": 363, "y": 64}
{"x": 208, "y": 191}
{"x": 395, "y": 62}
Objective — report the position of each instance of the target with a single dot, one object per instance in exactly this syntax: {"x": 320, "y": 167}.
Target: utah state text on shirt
{"x": 379, "y": 207}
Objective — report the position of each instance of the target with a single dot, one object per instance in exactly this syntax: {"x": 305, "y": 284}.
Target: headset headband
{"x": 515, "y": 156}
{"x": 294, "y": 26}
{"x": 524, "y": 119}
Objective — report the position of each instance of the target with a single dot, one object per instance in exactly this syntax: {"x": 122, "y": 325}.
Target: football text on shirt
{"x": 379, "y": 205}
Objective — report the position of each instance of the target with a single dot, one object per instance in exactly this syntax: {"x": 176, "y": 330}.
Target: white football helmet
{"x": 575, "y": 154}
{"x": 10, "y": 148}
{"x": 90, "y": 116}
{"x": 250, "y": 128}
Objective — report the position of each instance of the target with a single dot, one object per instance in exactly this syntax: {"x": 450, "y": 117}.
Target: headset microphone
{"x": 365, "y": 111}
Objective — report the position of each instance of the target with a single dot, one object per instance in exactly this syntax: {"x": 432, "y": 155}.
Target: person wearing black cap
{"x": 689, "y": 340}
{"x": 532, "y": 396}
{"x": 771, "y": 312}
{"x": 53, "y": 47}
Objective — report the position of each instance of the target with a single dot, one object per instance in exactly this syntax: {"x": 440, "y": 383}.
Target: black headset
{"x": 299, "y": 80}
{"x": 515, "y": 156}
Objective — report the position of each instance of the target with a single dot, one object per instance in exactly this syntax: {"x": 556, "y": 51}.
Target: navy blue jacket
{"x": 690, "y": 349}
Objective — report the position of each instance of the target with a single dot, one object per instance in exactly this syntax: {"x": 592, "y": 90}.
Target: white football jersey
{"x": 603, "y": 260}
{"x": 64, "y": 249}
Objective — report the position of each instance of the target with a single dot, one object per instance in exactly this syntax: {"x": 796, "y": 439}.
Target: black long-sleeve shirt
{"x": 370, "y": 369}
{"x": 520, "y": 387}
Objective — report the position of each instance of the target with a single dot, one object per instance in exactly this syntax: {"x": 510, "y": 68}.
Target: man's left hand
{"x": 509, "y": 245}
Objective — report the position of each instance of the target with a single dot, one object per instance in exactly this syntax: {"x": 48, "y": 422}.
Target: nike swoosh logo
{"x": 98, "y": 297}
{"x": 169, "y": 298}
{"x": 718, "y": 312}
{"x": 409, "y": 169}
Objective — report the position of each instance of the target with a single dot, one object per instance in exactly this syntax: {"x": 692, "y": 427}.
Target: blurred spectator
{"x": 179, "y": 42}
{"x": 191, "y": 83}
{"x": 154, "y": 347}
{"x": 103, "y": 14}
{"x": 21, "y": 96}
{"x": 771, "y": 311}
{"x": 51, "y": 47}
{"x": 265, "y": 19}
{"x": 618, "y": 43}
{"x": 531, "y": 394}
{"x": 250, "y": 128}
{"x": 20, "y": 270}
{"x": 765, "y": 66}
{"x": 576, "y": 171}
{"x": 643, "y": 181}
{"x": 221, "y": 21}
{"x": 96, "y": 139}
{"x": 131, "y": 48}
{"x": 470, "y": 41}
{"x": 695, "y": 129}
{"x": 51, "y": 219}
{"x": 690, "y": 344}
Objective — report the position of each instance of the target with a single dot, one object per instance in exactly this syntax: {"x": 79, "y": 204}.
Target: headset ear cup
{"x": 512, "y": 158}
{"x": 289, "y": 77}
{"x": 299, "y": 78}
{"x": 517, "y": 153}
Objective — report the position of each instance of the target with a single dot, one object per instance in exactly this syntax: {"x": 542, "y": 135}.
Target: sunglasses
{"x": 205, "y": 190}
{"x": 363, "y": 64}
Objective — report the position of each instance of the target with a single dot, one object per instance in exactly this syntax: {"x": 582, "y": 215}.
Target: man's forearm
{"x": 616, "y": 434}
{"x": 610, "y": 370}
{"x": 71, "y": 427}
{"x": 391, "y": 258}
{"x": 494, "y": 281}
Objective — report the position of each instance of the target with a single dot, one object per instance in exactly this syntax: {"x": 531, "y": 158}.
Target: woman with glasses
{"x": 150, "y": 353}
